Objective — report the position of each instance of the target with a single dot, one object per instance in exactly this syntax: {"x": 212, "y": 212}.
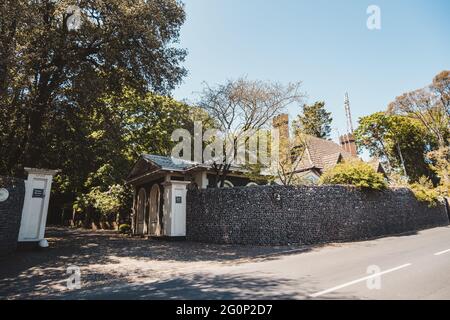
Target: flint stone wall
{"x": 11, "y": 213}
{"x": 281, "y": 215}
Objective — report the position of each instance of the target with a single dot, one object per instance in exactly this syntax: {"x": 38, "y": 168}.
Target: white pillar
{"x": 201, "y": 178}
{"x": 37, "y": 196}
{"x": 175, "y": 208}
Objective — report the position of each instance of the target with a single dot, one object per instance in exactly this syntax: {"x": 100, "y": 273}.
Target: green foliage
{"x": 63, "y": 101}
{"x": 254, "y": 174}
{"x": 356, "y": 173}
{"x": 391, "y": 138}
{"x": 430, "y": 106}
{"x": 81, "y": 203}
{"x": 127, "y": 125}
{"x": 424, "y": 191}
{"x": 108, "y": 202}
{"x": 314, "y": 121}
{"x": 125, "y": 228}
{"x": 143, "y": 123}
{"x": 51, "y": 77}
{"x": 440, "y": 163}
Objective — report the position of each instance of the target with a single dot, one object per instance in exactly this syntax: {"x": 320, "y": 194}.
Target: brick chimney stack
{"x": 281, "y": 122}
{"x": 348, "y": 143}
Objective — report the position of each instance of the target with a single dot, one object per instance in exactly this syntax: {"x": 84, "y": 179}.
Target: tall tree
{"x": 401, "y": 142}
{"x": 429, "y": 105}
{"x": 57, "y": 59}
{"x": 126, "y": 125}
{"x": 241, "y": 107}
{"x": 292, "y": 153}
{"x": 441, "y": 88}
{"x": 314, "y": 120}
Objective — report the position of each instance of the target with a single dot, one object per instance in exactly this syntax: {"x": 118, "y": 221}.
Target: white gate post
{"x": 37, "y": 196}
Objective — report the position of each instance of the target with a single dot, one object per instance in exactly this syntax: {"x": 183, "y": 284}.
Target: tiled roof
{"x": 376, "y": 165}
{"x": 169, "y": 163}
{"x": 330, "y": 160}
{"x": 321, "y": 154}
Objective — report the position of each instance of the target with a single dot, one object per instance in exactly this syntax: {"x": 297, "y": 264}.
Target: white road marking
{"x": 318, "y": 294}
{"x": 442, "y": 252}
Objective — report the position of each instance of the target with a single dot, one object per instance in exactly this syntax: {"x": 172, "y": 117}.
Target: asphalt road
{"x": 413, "y": 266}
{"x": 406, "y": 267}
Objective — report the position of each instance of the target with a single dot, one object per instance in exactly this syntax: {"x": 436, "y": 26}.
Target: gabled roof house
{"x": 319, "y": 154}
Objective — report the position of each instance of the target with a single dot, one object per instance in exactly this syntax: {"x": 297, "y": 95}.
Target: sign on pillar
{"x": 34, "y": 214}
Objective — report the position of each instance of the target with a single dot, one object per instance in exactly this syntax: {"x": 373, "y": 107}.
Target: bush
{"x": 356, "y": 173}
{"x": 125, "y": 228}
{"x": 424, "y": 191}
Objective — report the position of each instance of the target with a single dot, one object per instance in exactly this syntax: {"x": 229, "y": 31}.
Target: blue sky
{"x": 324, "y": 44}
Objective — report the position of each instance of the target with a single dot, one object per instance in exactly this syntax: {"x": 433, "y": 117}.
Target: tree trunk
{"x": 32, "y": 148}
{"x": 223, "y": 176}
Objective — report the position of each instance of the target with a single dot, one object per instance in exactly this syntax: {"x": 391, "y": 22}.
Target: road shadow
{"x": 188, "y": 287}
{"x": 41, "y": 273}
{"x": 203, "y": 287}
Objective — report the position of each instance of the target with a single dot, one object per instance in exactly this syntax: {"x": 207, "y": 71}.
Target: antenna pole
{"x": 348, "y": 114}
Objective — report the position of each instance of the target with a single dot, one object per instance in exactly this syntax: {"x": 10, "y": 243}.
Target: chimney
{"x": 281, "y": 122}
{"x": 348, "y": 143}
